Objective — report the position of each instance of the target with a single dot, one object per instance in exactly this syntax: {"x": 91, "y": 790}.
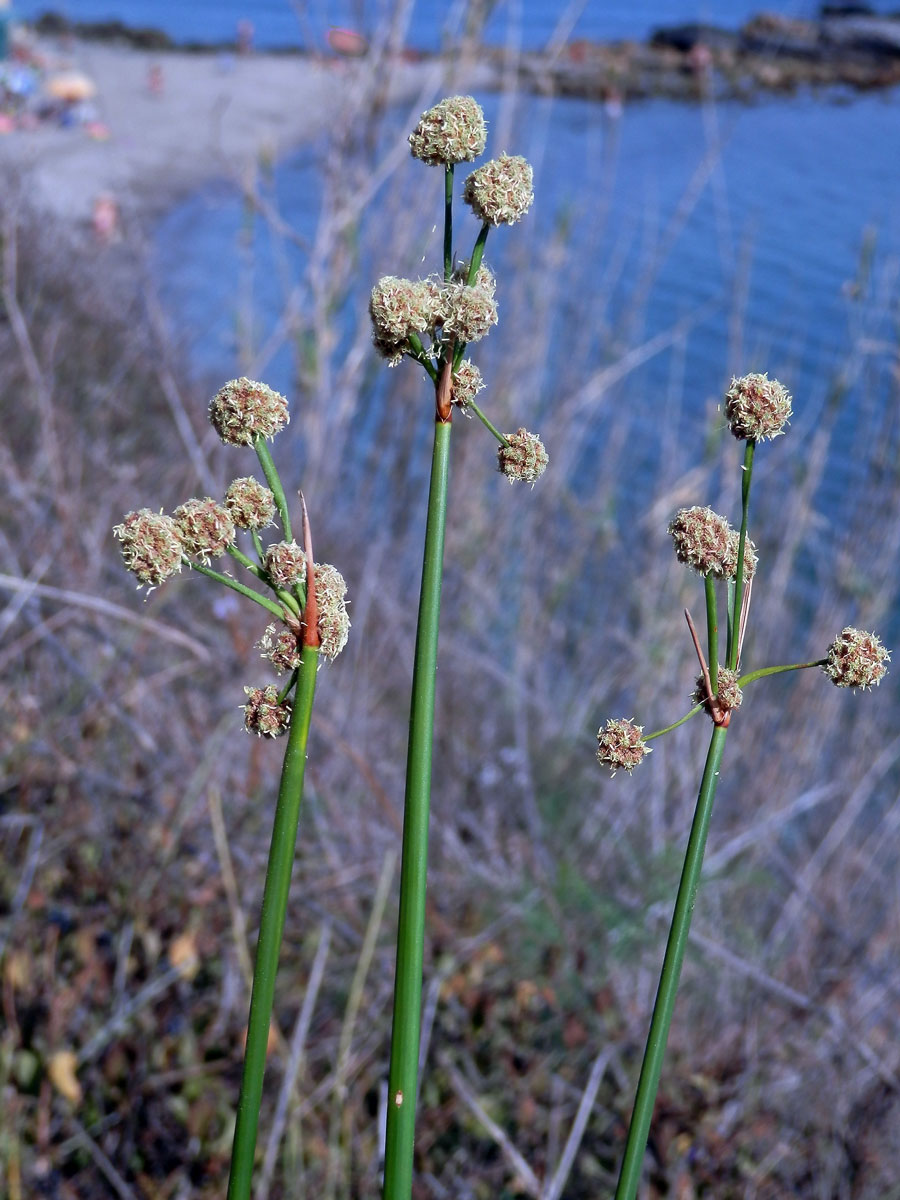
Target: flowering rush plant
{"x": 757, "y": 410}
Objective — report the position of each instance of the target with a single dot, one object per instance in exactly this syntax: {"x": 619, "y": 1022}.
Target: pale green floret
{"x": 151, "y": 547}
{"x": 333, "y": 623}
{"x": 620, "y": 745}
{"x": 728, "y": 695}
{"x": 502, "y": 191}
{"x": 467, "y": 383}
{"x": 285, "y": 564}
{"x": 524, "y": 458}
{"x": 469, "y": 313}
{"x": 252, "y": 506}
{"x": 263, "y": 715}
{"x": 281, "y": 647}
{"x": 244, "y": 410}
{"x": 856, "y": 659}
{"x": 757, "y": 408}
{"x": 706, "y": 542}
{"x": 206, "y": 528}
{"x": 454, "y": 131}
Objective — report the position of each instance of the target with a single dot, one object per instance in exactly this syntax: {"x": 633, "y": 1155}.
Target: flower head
{"x": 151, "y": 547}
{"x": 757, "y": 407}
{"x": 467, "y": 383}
{"x": 469, "y": 312}
{"x": 523, "y": 458}
{"x": 334, "y": 623}
{"x": 281, "y": 647}
{"x": 243, "y": 410}
{"x": 729, "y": 696}
{"x": 206, "y": 528}
{"x": 856, "y": 659}
{"x": 454, "y": 131}
{"x": 705, "y": 541}
{"x": 285, "y": 564}
{"x": 251, "y": 505}
{"x": 621, "y": 744}
{"x": 502, "y": 191}
{"x": 400, "y": 307}
{"x": 263, "y": 714}
{"x": 485, "y": 280}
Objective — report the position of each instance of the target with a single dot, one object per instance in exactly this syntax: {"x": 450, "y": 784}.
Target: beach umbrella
{"x": 71, "y": 85}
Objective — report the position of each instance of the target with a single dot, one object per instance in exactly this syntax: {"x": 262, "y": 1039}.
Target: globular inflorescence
{"x": 856, "y": 659}
{"x": 281, "y": 647}
{"x": 523, "y": 458}
{"x": 502, "y": 191}
{"x": 454, "y": 131}
{"x": 243, "y": 410}
{"x": 467, "y": 383}
{"x": 205, "y": 527}
{"x": 728, "y": 695}
{"x": 620, "y": 745}
{"x": 757, "y": 408}
{"x": 468, "y": 313}
{"x": 263, "y": 714}
{"x": 706, "y": 542}
{"x": 334, "y": 622}
{"x": 252, "y": 506}
{"x": 401, "y": 307}
{"x": 151, "y": 547}
{"x": 285, "y": 564}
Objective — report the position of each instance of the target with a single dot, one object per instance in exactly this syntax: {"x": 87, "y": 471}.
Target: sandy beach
{"x": 212, "y": 117}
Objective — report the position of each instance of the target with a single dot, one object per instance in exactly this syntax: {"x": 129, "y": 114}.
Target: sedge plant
{"x": 307, "y": 601}
{"x": 757, "y": 410}
{"x": 432, "y": 321}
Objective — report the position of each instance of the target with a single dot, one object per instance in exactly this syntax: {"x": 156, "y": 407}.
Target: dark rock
{"x": 686, "y": 37}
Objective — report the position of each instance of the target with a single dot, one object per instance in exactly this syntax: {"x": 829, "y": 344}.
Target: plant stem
{"x": 285, "y": 597}
{"x": 257, "y": 545}
{"x": 484, "y": 420}
{"x": 734, "y": 631}
{"x": 274, "y": 481}
{"x": 448, "y": 222}
{"x": 271, "y": 926}
{"x": 668, "y": 729}
{"x": 712, "y": 631}
{"x": 238, "y": 587}
{"x": 421, "y": 357}
{"x": 630, "y": 1173}
{"x": 763, "y": 671}
{"x": 401, "y": 1116}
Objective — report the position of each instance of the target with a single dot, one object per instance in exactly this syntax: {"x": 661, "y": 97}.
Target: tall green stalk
{"x": 271, "y": 927}
{"x": 401, "y": 1116}
{"x": 630, "y": 1173}
{"x": 734, "y": 643}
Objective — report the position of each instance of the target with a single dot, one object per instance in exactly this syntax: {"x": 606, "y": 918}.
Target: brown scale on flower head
{"x": 285, "y": 564}
{"x": 502, "y": 191}
{"x": 706, "y": 542}
{"x": 263, "y": 715}
{"x": 757, "y": 408}
{"x": 151, "y": 547}
{"x": 856, "y": 659}
{"x": 523, "y": 458}
{"x": 251, "y": 505}
{"x": 620, "y": 745}
{"x": 244, "y": 410}
{"x": 454, "y": 131}
{"x": 206, "y": 528}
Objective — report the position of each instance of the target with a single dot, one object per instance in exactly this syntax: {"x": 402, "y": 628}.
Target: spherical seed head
{"x": 281, "y": 647}
{"x": 244, "y": 410}
{"x": 524, "y": 458}
{"x": 399, "y": 307}
{"x": 206, "y": 528}
{"x": 263, "y": 714}
{"x": 620, "y": 744}
{"x": 856, "y": 659}
{"x": 485, "y": 280}
{"x": 729, "y": 695}
{"x": 706, "y": 542}
{"x": 757, "y": 408}
{"x": 502, "y": 191}
{"x": 454, "y": 131}
{"x": 251, "y": 505}
{"x": 467, "y": 383}
{"x": 151, "y": 547}
{"x": 285, "y": 564}
{"x": 469, "y": 313}
{"x": 334, "y": 623}
{"x": 750, "y": 557}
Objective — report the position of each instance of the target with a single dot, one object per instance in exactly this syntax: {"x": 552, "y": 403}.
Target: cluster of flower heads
{"x": 244, "y": 410}
{"x": 400, "y": 308}
{"x": 856, "y": 659}
{"x": 728, "y": 695}
{"x": 621, "y": 745}
{"x": 523, "y": 458}
{"x": 706, "y": 542}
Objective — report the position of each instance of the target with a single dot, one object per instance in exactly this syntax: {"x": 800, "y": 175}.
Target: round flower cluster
{"x": 280, "y": 646}
{"x": 856, "y": 659}
{"x": 263, "y": 714}
{"x": 705, "y": 541}
{"x": 399, "y": 307}
{"x": 243, "y": 410}
{"x": 251, "y": 505}
{"x": 151, "y": 547}
{"x": 453, "y": 131}
{"x": 729, "y": 696}
{"x": 523, "y": 458}
{"x": 620, "y": 744}
{"x": 285, "y": 564}
{"x": 502, "y": 191}
{"x": 757, "y": 407}
{"x": 205, "y": 527}
{"x": 334, "y": 623}
{"x": 467, "y": 383}
{"x": 468, "y": 313}
{"x": 485, "y": 280}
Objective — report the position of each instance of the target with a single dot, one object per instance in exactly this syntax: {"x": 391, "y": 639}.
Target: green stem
{"x": 257, "y": 544}
{"x": 448, "y": 222}
{"x": 421, "y": 357}
{"x": 401, "y": 1115}
{"x": 251, "y": 566}
{"x": 675, "y": 724}
{"x": 484, "y": 420}
{"x": 238, "y": 587}
{"x": 712, "y": 631}
{"x": 271, "y": 926}
{"x": 274, "y": 481}
{"x": 763, "y": 671}
{"x": 746, "y": 476}
{"x": 630, "y": 1174}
